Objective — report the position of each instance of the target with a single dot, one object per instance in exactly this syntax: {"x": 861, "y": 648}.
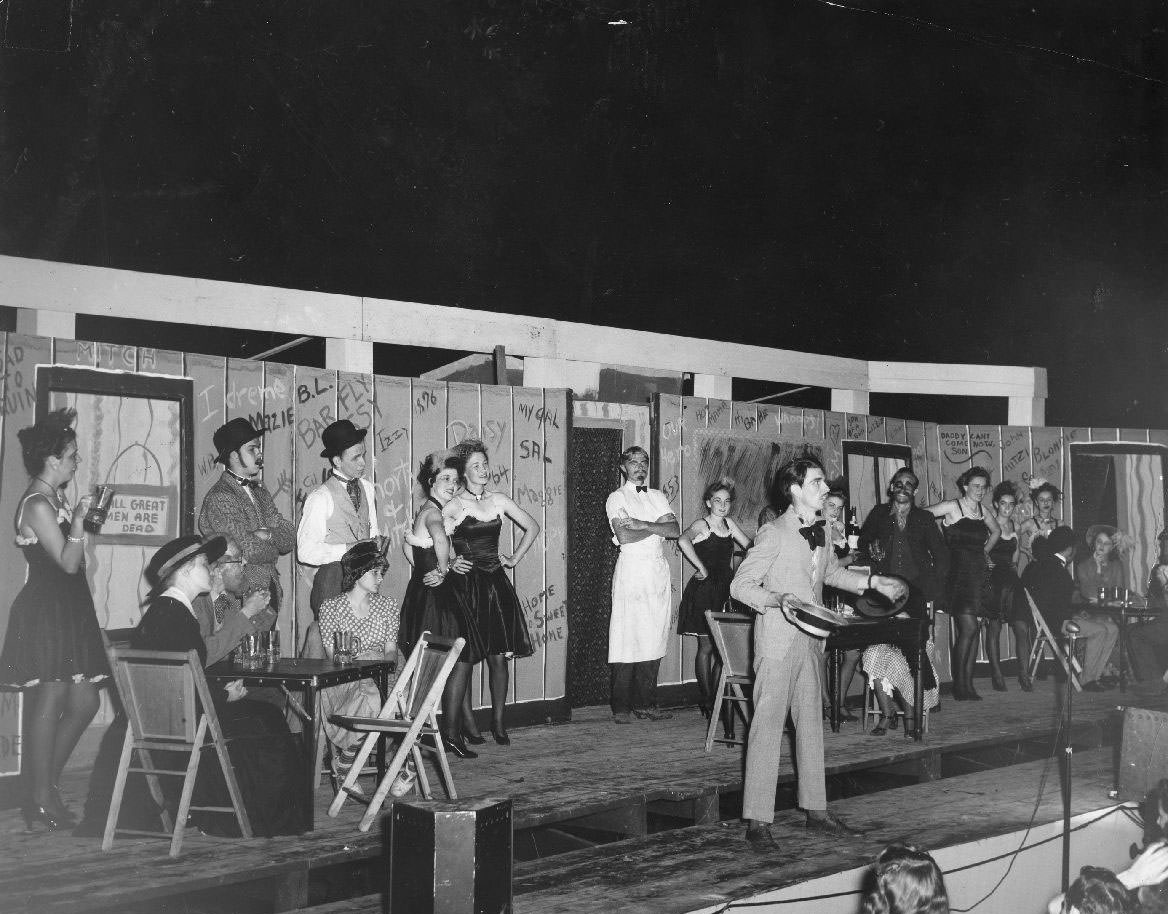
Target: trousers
{"x": 634, "y": 686}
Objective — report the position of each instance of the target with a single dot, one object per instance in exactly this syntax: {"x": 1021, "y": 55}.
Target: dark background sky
{"x": 974, "y": 182}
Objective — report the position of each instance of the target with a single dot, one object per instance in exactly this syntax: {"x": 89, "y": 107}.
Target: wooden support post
{"x": 849, "y": 401}
{"x": 59, "y": 324}
{"x": 929, "y": 767}
{"x": 501, "y": 365}
{"x": 713, "y": 385}
{"x": 291, "y": 890}
{"x": 707, "y": 807}
{"x": 348, "y": 355}
{"x": 1027, "y": 411}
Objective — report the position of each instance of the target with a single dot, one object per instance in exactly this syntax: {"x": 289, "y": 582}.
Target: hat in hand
{"x": 178, "y": 552}
{"x": 874, "y": 605}
{"x": 340, "y": 436}
{"x": 232, "y": 436}
{"x": 361, "y": 558}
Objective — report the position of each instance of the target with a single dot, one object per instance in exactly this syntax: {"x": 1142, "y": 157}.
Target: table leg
{"x": 835, "y": 675}
{"x": 310, "y": 738}
{"x": 1123, "y": 649}
{"x": 919, "y": 687}
{"x": 382, "y": 679}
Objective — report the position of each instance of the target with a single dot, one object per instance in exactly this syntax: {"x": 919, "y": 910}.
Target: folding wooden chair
{"x": 1043, "y": 637}
{"x": 733, "y": 633}
{"x": 168, "y": 709}
{"x": 410, "y": 711}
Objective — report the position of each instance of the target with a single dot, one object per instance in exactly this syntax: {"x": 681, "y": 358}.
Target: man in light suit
{"x": 240, "y": 507}
{"x": 789, "y": 563}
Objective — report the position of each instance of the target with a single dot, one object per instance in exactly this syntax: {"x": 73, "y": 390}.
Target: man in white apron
{"x": 638, "y": 630}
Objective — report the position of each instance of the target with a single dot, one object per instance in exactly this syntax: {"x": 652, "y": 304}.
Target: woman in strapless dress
{"x": 475, "y": 517}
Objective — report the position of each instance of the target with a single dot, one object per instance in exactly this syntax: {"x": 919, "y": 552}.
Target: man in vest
{"x": 338, "y": 513}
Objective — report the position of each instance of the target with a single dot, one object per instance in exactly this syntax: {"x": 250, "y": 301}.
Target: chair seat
{"x": 376, "y": 724}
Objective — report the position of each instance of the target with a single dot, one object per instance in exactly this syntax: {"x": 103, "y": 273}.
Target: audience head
{"x": 973, "y": 483}
{"x": 634, "y": 465}
{"x": 344, "y": 448}
{"x": 905, "y": 881}
{"x": 800, "y": 482}
{"x": 1005, "y": 498}
{"x": 1061, "y": 540}
{"x": 185, "y": 563}
{"x": 719, "y": 496}
{"x": 238, "y": 446}
{"x": 363, "y": 565}
{"x": 51, "y": 444}
{"x": 903, "y": 485}
{"x": 472, "y": 462}
{"x": 1097, "y": 891}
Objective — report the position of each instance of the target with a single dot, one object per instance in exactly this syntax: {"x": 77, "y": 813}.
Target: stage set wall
{"x": 525, "y": 429}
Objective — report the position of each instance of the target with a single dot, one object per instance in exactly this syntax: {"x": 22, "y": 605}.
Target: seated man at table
{"x": 1149, "y": 642}
{"x": 225, "y": 614}
{"x": 1049, "y": 584}
{"x": 264, "y": 754}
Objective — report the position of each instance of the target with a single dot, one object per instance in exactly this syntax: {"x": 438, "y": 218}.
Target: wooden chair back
{"x": 168, "y": 708}
{"x": 410, "y": 712}
{"x": 733, "y": 635}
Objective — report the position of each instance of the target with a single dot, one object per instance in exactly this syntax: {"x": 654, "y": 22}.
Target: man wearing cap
{"x": 1048, "y": 581}
{"x": 788, "y": 564}
{"x": 239, "y": 506}
{"x": 337, "y": 513}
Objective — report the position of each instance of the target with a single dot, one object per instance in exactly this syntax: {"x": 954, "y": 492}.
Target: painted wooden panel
{"x": 1076, "y": 434}
{"x": 914, "y": 433}
{"x": 160, "y": 361}
{"x": 813, "y": 424}
{"x": 876, "y": 428}
{"x": 278, "y": 416}
{"x": 744, "y": 417}
{"x": 985, "y": 450}
{"x": 355, "y": 398}
{"x": 895, "y": 431}
{"x": 935, "y": 483}
{"x": 74, "y": 352}
{"x": 528, "y": 475}
{"x": 694, "y": 414}
{"x": 116, "y": 357}
{"x": 833, "y": 439}
{"x": 1134, "y": 435}
{"x": 855, "y": 427}
{"x": 1046, "y": 455}
{"x": 394, "y": 469}
{"x": 429, "y": 418}
{"x": 557, "y": 404}
{"x": 496, "y": 409}
{"x": 209, "y": 375}
{"x": 244, "y": 392}
{"x": 1158, "y": 436}
{"x": 1104, "y": 434}
{"x": 769, "y": 419}
{"x": 954, "y": 457}
{"x": 462, "y": 413}
{"x": 792, "y": 421}
{"x": 316, "y": 409}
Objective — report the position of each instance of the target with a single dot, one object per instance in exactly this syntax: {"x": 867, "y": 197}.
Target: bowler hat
{"x": 340, "y": 436}
{"x": 361, "y": 558}
{"x": 179, "y": 551}
{"x": 232, "y": 436}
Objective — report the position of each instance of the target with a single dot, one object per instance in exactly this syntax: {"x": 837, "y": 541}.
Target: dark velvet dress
{"x": 53, "y": 635}
{"x": 265, "y": 755}
{"x": 438, "y": 610}
{"x": 1006, "y": 604}
{"x": 486, "y": 590}
{"x": 969, "y": 575}
{"x": 711, "y": 594}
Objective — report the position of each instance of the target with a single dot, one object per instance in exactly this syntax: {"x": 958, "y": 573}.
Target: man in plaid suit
{"x": 789, "y": 563}
{"x": 238, "y": 506}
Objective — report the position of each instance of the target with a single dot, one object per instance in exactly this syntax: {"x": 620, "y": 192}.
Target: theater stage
{"x": 611, "y": 817}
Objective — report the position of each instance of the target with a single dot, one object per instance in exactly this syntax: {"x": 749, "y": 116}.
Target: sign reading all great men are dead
{"x": 141, "y": 515}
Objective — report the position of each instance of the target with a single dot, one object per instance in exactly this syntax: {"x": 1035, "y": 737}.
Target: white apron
{"x": 641, "y": 603}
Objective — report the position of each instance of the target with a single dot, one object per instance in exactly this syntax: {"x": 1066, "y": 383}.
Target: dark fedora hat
{"x": 340, "y": 436}
{"x": 361, "y": 558}
{"x": 232, "y": 436}
{"x": 179, "y": 551}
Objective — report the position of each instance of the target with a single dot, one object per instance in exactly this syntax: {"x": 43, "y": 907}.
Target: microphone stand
{"x": 1071, "y": 629}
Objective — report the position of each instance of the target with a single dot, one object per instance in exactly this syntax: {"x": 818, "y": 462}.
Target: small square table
{"x": 309, "y": 677}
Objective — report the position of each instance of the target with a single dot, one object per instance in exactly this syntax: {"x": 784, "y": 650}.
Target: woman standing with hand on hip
{"x": 475, "y": 517}
{"x": 53, "y": 647}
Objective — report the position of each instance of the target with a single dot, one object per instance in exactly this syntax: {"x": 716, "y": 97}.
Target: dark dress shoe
{"x": 831, "y": 824}
{"x": 457, "y": 748}
{"x": 759, "y": 837}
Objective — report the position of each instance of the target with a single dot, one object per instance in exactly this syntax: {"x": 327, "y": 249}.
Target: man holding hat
{"x": 239, "y": 506}
{"x": 338, "y": 513}
{"x": 1049, "y": 584}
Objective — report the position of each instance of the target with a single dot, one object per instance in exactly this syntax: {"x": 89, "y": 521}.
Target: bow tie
{"x": 642, "y": 488}
{"x": 813, "y": 534}
{"x": 247, "y": 483}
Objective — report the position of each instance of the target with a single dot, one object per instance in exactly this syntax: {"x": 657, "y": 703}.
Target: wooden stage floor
{"x": 590, "y": 777}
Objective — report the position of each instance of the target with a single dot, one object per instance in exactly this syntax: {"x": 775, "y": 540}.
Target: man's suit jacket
{"x": 228, "y": 510}
{"x": 222, "y": 638}
{"x": 1048, "y": 582}
{"x": 780, "y": 561}
{"x": 925, "y": 542}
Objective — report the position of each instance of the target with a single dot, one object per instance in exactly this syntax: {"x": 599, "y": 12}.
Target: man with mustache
{"x": 238, "y": 506}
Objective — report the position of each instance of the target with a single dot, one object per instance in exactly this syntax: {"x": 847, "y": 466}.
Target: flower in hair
{"x": 1036, "y": 482}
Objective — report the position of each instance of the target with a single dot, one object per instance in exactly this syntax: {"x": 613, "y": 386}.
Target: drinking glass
{"x": 98, "y": 508}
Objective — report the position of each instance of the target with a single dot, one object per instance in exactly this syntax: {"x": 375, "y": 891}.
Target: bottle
{"x": 852, "y": 530}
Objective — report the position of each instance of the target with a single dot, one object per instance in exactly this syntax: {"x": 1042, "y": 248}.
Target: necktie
{"x": 813, "y": 534}
{"x": 353, "y": 487}
{"x": 642, "y": 488}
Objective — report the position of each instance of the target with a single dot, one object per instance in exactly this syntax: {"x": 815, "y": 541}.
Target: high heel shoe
{"x": 457, "y": 747}
{"x": 999, "y": 683}
{"x": 501, "y": 736}
{"x": 971, "y": 695}
{"x": 34, "y": 815}
{"x": 475, "y": 739}
{"x": 1026, "y": 683}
